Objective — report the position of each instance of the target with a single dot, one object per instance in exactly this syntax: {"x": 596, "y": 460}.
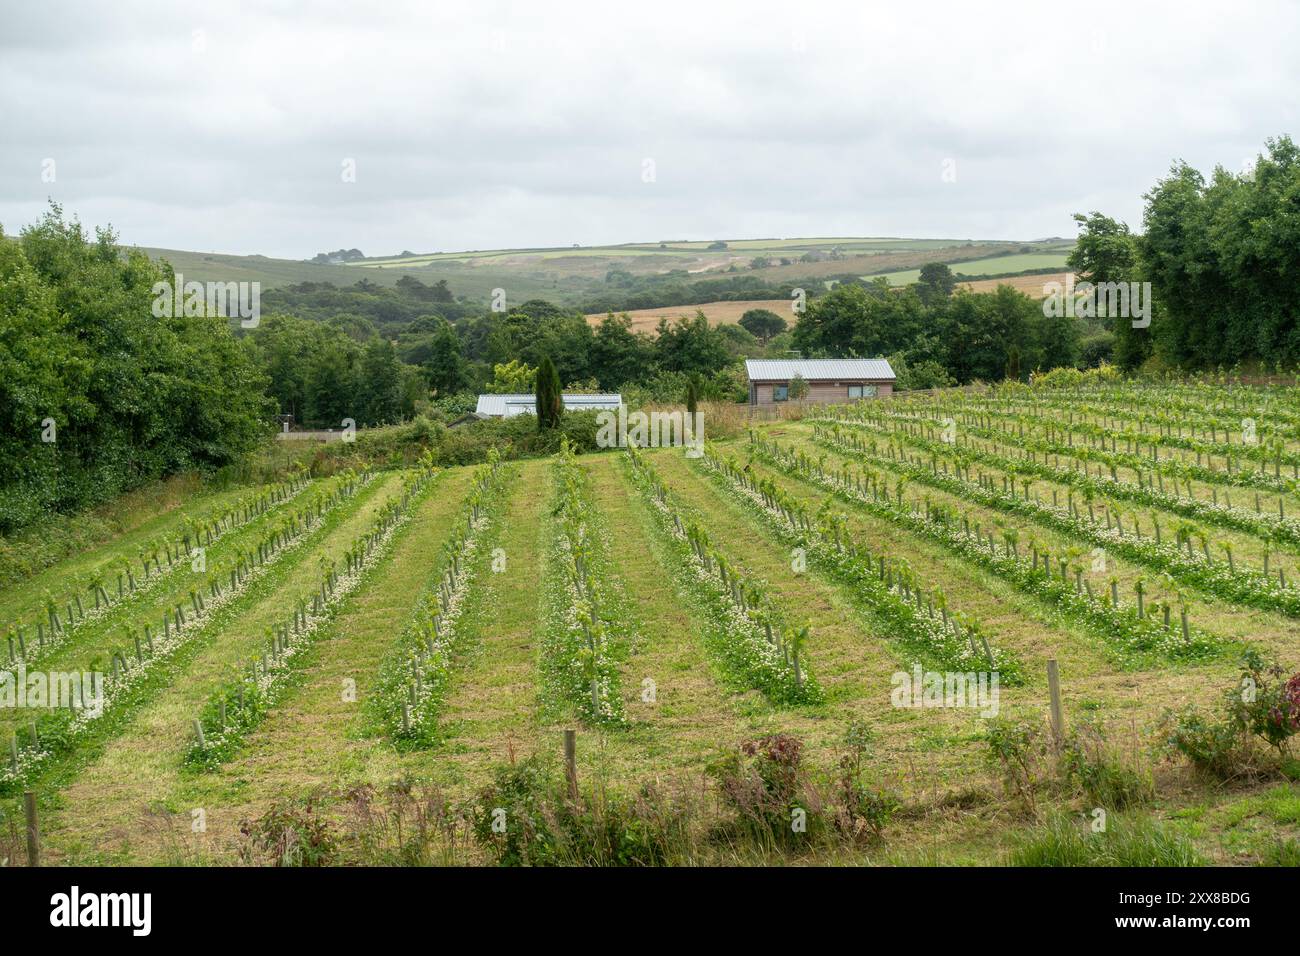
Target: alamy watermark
{"x": 242, "y": 300}
{"x": 653, "y": 430}
{"x": 68, "y": 690}
{"x": 923, "y": 689}
{"x": 1122, "y": 300}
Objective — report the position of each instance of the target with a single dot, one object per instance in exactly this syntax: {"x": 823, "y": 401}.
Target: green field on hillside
{"x": 996, "y": 265}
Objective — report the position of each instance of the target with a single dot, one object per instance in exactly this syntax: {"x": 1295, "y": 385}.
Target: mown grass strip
{"x": 888, "y": 587}
{"x": 415, "y": 677}
{"x": 101, "y": 708}
{"x": 241, "y": 705}
{"x": 748, "y": 634}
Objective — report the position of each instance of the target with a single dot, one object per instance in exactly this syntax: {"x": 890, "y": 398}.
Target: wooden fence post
{"x": 571, "y": 762}
{"x": 1054, "y": 687}
{"x": 33, "y": 830}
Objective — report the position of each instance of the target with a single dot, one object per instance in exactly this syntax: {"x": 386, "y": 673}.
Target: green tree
{"x": 689, "y": 345}
{"x": 550, "y": 400}
{"x": 798, "y": 390}
{"x": 512, "y": 378}
{"x": 132, "y": 396}
{"x": 1106, "y": 252}
{"x": 1013, "y": 364}
{"x": 856, "y": 319}
{"x": 379, "y": 384}
{"x": 762, "y": 324}
{"x": 328, "y": 389}
{"x": 935, "y": 283}
{"x": 445, "y": 367}
{"x": 619, "y": 355}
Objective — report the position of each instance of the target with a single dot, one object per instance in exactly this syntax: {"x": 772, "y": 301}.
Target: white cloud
{"x": 489, "y": 125}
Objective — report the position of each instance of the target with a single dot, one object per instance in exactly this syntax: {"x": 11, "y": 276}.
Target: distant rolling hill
{"x": 574, "y": 274}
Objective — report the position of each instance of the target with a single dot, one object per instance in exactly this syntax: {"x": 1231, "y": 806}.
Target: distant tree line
{"x": 938, "y": 334}
{"x": 322, "y": 370}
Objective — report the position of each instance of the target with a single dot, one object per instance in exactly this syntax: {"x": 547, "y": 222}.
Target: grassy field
{"x": 995, "y": 265}
{"x": 718, "y": 313}
{"x": 570, "y": 274}
{"x": 1030, "y": 285}
{"x": 945, "y": 532}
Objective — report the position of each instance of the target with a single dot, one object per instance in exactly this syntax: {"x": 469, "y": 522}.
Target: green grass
{"x": 1127, "y": 841}
{"x": 996, "y": 265}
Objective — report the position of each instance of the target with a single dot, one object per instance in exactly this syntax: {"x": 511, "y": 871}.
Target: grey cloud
{"x": 488, "y": 125}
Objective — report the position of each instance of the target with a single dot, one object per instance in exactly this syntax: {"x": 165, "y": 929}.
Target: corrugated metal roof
{"x": 511, "y": 405}
{"x": 780, "y": 370}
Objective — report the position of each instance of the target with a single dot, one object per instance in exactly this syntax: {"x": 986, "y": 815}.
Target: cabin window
{"x": 862, "y": 391}
{"x": 780, "y": 393}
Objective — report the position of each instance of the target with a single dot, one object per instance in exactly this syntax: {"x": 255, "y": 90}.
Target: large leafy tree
{"x": 857, "y": 319}
{"x": 1106, "y": 252}
{"x": 445, "y": 367}
{"x": 762, "y": 324}
{"x": 689, "y": 345}
{"x": 619, "y": 355}
{"x": 1223, "y": 259}
{"x": 131, "y": 396}
{"x": 379, "y": 384}
{"x": 980, "y": 331}
{"x": 936, "y": 283}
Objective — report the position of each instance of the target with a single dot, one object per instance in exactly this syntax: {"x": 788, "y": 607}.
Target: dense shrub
{"x": 525, "y": 818}
{"x": 1264, "y": 706}
{"x": 1104, "y": 776}
{"x": 290, "y": 834}
{"x": 467, "y": 444}
{"x": 131, "y": 397}
{"x": 861, "y": 807}
{"x": 764, "y": 785}
{"x": 1085, "y": 764}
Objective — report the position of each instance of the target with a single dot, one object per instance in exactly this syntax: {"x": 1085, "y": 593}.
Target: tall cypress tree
{"x": 550, "y": 404}
{"x": 692, "y": 395}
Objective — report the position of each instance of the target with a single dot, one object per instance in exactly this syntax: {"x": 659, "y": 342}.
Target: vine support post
{"x": 1054, "y": 689}
{"x": 33, "y": 830}
{"x": 571, "y": 762}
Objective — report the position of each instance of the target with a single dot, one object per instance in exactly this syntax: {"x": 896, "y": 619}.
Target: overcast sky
{"x": 477, "y": 125}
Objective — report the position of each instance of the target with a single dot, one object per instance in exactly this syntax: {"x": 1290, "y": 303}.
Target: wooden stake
{"x": 1054, "y": 687}
{"x": 571, "y": 762}
{"x": 33, "y": 830}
